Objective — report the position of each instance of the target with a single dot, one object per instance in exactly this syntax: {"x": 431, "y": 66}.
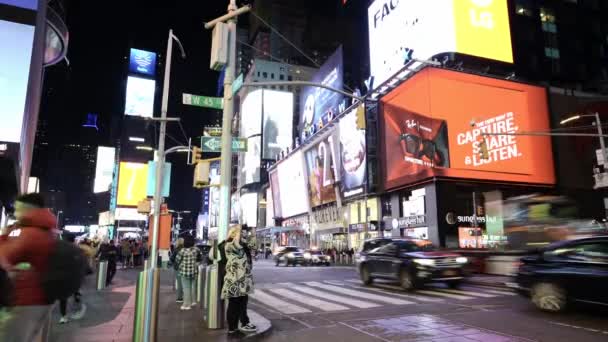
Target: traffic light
{"x": 201, "y": 174}
{"x": 197, "y": 154}
{"x": 483, "y": 149}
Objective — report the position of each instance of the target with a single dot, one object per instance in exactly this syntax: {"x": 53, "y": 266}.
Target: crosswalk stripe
{"x": 343, "y": 300}
{"x": 467, "y": 293}
{"x": 334, "y": 282}
{"x": 360, "y": 294}
{"x": 443, "y": 294}
{"x": 408, "y": 296}
{"x": 505, "y": 293}
{"x": 325, "y": 306}
{"x": 275, "y": 303}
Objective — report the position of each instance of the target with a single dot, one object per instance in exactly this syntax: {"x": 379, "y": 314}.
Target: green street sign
{"x": 237, "y": 84}
{"x": 203, "y": 101}
{"x": 214, "y": 144}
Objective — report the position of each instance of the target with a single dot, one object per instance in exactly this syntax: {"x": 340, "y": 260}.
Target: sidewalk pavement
{"x": 109, "y": 315}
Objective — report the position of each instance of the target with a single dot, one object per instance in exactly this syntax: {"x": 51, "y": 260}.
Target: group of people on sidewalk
{"x": 235, "y": 261}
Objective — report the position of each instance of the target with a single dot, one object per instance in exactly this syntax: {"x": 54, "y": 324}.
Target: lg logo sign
{"x": 481, "y": 16}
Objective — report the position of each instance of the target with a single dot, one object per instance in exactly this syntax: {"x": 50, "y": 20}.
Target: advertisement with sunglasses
{"x": 437, "y": 123}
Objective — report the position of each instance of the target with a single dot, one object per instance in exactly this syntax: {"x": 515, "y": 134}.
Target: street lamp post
{"x": 146, "y": 316}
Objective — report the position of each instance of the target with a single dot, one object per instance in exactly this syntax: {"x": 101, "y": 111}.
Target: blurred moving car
{"x": 412, "y": 263}
{"x": 369, "y": 245}
{"x": 568, "y": 271}
{"x": 316, "y": 257}
{"x": 289, "y": 255}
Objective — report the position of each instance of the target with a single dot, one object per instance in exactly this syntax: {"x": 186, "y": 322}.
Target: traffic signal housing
{"x": 197, "y": 155}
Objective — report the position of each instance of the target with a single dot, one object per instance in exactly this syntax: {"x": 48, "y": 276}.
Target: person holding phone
{"x": 238, "y": 281}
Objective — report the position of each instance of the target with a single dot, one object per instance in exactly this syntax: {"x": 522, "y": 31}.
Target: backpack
{"x": 66, "y": 270}
{"x": 6, "y": 289}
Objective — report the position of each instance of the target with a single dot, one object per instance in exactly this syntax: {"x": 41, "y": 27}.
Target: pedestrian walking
{"x": 179, "y": 288}
{"x": 188, "y": 271}
{"x": 238, "y": 281}
{"x": 126, "y": 254}
{"x": 25, "y": 256}
{"x": 77, "y": 296}
{"x": 109, "y": 253}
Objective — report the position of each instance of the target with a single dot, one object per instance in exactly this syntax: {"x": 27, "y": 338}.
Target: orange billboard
{"x": 132, "y": 181}
{"x": 434, "y": 125}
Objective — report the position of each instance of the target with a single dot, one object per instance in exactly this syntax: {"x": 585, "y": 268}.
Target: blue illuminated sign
{"x": 142, "y": 62}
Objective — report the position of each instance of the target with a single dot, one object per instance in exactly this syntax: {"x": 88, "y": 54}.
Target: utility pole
{"x": 215, "y": 308}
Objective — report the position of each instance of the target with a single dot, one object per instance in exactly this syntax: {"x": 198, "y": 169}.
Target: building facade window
{"x": 552, "y": 52}
{"x": 265, "y": 74}
{"x": 524, "y": 10}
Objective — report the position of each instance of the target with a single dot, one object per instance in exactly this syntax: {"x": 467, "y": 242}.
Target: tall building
{"x": 564, "y": 43}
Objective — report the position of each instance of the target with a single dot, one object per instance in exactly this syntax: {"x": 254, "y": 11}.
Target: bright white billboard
{"x": 140, "y": 97}
{"x": 251, "y": 114}
{"x": 104, "y": 169}
{"x": 16, "y": 44}
{"x": 129, "y": 214}
{"x": 248, "y": 203}
{"x": 292, "y": 182}
{"x": 400, "y": 30}
{"x": 278, "y": 123}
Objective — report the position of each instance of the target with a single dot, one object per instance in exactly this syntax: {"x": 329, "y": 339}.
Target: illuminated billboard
{"x": 278, "y": 122}
{"x": 433, "y": 125}
{"x": 104, "y": 169}
{"x": 132, "y": 181}
{"x": 142, "y": 62}
{"x": 322, "y": 165}
{"x": 319, "y": 106}
{"x": 17, "y": 28}
{"x": 273, "y": 179}
{"x": 400, "y": 30}
{"x": 292, "y": 179}
{"x": 251, "y": 114}
{"x": 353, "y": 163}
{"x": 140, "y": 97}
{"x": 250, "y": 161}
{"x": 248, "y": 203}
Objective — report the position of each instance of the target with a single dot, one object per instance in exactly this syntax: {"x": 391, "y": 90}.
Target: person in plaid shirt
{"x": 187, "y": 267}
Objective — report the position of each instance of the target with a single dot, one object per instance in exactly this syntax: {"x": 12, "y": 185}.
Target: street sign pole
{"x": 215, "y": 302}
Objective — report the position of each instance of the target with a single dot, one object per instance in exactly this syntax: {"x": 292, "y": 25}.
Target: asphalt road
{"x": 330, "y": 304}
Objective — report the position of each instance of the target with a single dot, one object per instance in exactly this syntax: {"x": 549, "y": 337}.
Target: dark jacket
{"x": 33, "y": 246}
{"x": 174, "y": 257}
{"x": 108, "y": 253}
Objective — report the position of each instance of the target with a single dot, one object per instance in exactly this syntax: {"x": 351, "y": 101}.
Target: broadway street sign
{"x": 214, "y": 144}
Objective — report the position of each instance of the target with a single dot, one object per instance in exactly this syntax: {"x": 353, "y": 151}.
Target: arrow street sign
{"x": 237, "y": 84}
{"x": 203, "y": 101}
{"x": 214, "y": 144}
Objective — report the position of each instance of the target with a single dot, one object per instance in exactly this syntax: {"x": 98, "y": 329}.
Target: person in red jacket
{"x": 24, "y": 252}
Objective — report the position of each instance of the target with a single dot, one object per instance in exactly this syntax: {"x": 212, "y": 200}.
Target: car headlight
{"x": 425, "y": 262}
{"x": 307, "y": 256}
{"x": 290, "y": 255}
{"x": 462, "y": 260}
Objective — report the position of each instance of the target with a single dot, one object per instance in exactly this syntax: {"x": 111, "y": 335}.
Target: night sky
{"x": 101, "y": 34}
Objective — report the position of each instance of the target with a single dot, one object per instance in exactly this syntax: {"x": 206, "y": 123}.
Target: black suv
{"x": 412, "y": 263}
{"x": 289, "y": 255}
{"x": 370, "y": 245}
{"x": 568, "y": 271}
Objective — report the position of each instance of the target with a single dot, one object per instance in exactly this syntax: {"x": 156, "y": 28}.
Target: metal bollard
{"x": 214, "y": 315}
{"x": 146, "y": 299}
{"x": 102, "y": 274}
{"x": 200, "y": 286}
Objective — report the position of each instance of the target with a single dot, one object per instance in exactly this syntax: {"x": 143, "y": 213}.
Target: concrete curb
{"x": 263, "y": 324}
